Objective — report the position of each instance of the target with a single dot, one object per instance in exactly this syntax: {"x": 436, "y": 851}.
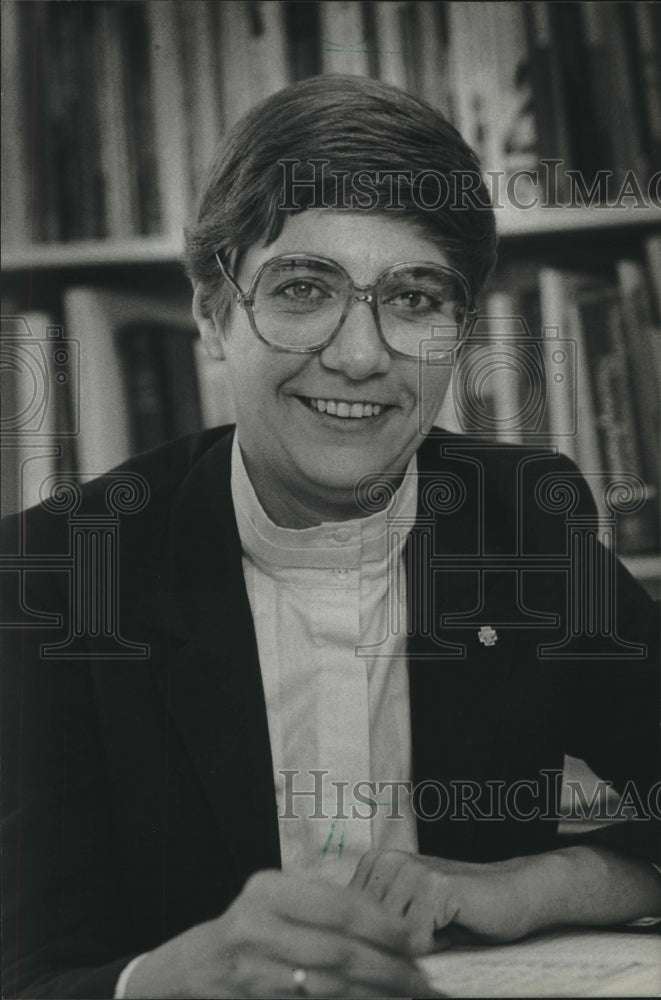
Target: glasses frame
{"x": 358, "y": 293}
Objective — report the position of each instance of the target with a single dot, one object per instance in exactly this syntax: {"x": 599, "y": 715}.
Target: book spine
{"x": 514, "y": 126}
{"x": 105, "y": 438}
{"x": 254, "y": 54}
{"x": 143, "y": 370}
{"x": 507, "y": 393}
{"x": 573, "y": 52}
{"x": 548, "y": 94}
{"x": 466, "y": 99}
{"x": 560, "y": 361}
{"x": 392, "y": 64}
{"x": 344, "y": 43}
{"x": 182, "y": 393}
{"x": 303, "y": 34}
{"x": 14, "y": 128}
{"x": 171, "y": 149}
{"x": 642, "y": 347}
{"x": 597, "y": 78}
{"x": 116, "y": 166}
{"x": 138, "y": 104}
{"x": 29, "y": 410}
{"x": 45, "y": 172}
{"x": 624, "y": 116}
{"x": 432, "y": 43}
{"x": 202, "y": 89}
{"x": 601, "y": 312}
{"x": 88, "y": 144}
{"x": 649, "y": 63}
{"x": 653, "y": 258}
{"x": 588, "y": 447}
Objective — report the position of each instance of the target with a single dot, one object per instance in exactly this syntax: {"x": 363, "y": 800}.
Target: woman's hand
{"x": 445, "y": 902}
{"x": 453, "y": 902}
{"x": 347, "y": 945}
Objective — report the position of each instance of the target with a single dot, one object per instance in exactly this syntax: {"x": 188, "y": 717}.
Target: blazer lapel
{"x": 212, "y": 683}
{"x": 457, "y": 684}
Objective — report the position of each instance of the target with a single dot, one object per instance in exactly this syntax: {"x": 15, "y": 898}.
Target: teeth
{"x": 339, "y": 408}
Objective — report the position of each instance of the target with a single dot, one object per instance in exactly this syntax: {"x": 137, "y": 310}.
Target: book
{"x": 202, "y": 87}
{"x": 34, "y": 373}
{"x": 509, "y": 87}
{"x": 15, "y": 130}
{"x": 254, "y": 54}
{"x": 344, "y": 40}
{"x": 647, "y": 28}
{"x": 432, "y": 65}
{"x": 615, "y": 398}
{"x": 595, "y": 78}
{"x": 303, "y": 35}
{"x": 503, "y": 366}
{"x": 160, "y": 379}
{"x": 625, "y": 110}
{"x": 642, "y": 338}
{"x": 137, "y": 104}
{"x": 169, "y": 111}
{"x": 390, "y": 45}
{"x": 549, "y": 98}
{"x": 468, "y": 97}
{"x": 95, "y": 317}
{"x": 117, "y": 167}
{"x": 560, "y": 351}
{"x": 652, "y": 249}
{"x": 571, "y": 46}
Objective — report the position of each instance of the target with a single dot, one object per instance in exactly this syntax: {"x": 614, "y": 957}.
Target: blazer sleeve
{"x": 62, "y": 918}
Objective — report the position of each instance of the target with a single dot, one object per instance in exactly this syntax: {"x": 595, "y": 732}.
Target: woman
{"x": 314, "y": 682}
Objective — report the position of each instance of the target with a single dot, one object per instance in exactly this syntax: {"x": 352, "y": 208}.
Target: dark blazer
{"x": 138, "y": 792}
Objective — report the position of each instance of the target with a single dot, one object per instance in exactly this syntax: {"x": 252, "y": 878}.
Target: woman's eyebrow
{"x": 309, "y": 263}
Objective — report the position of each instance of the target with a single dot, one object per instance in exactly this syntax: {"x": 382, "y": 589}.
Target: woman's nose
{"x": 357, "y": 349}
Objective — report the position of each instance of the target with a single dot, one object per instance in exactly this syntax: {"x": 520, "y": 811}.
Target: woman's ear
{"x": 209, "y": 327}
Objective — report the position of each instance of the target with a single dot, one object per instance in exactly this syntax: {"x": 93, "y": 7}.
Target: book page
{"x": 584, "y": 963}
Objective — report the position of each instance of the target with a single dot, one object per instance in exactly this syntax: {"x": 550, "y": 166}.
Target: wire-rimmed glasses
{"x": 298, "y": 303}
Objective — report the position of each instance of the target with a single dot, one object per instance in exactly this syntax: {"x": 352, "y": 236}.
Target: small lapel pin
{"x": 487, "y": 635}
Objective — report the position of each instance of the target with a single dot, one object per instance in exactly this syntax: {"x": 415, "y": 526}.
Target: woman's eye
{"x": 413, "y": 300}
{"x": 302, "y": 291}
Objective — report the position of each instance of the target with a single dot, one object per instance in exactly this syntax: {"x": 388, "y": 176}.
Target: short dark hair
{"x": 355, "y": 125}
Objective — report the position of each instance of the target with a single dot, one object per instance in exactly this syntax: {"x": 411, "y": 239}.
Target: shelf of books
{"x": 112, "y": 111}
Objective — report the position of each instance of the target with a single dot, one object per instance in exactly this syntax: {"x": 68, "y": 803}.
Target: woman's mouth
{"x": 343, "y": 408}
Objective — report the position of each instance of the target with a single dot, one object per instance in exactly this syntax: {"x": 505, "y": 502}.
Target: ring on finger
{"x": 300, "y": 977}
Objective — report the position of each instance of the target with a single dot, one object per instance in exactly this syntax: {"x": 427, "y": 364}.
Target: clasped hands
{"x": 359, "y": 941}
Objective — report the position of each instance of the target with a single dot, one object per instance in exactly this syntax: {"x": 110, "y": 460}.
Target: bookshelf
{"x": 103, "y": 158}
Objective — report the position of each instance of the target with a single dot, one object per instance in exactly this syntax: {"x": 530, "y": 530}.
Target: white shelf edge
{"x": 510, "y": 221}
{"x": 87, "y": 253}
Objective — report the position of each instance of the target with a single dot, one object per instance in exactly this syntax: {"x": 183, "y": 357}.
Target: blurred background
{"x": 111, "y": 112}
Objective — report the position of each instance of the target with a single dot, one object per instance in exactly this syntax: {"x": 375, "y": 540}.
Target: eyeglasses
{"x": 298, "y": 303}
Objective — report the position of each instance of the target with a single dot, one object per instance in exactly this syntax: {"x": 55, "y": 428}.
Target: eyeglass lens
{"x": 299, "y": 303}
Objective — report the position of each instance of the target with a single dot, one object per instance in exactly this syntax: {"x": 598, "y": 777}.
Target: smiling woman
{"x": 312, "y": 452}
{"x": 249, "y": 795}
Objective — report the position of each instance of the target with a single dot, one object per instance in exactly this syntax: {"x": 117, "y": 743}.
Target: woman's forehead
{"x": 364, "y": 243}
